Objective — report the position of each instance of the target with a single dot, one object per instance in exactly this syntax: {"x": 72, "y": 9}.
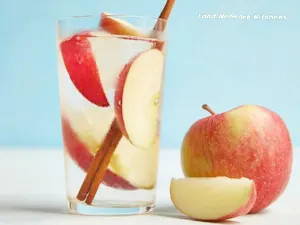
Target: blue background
{"x": 224, "y": 63}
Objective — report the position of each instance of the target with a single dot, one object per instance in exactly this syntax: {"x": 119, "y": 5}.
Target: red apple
{"x": 213, "y": 198}
{"x": 137, "y": 98}
{"x": 248, "y": 141}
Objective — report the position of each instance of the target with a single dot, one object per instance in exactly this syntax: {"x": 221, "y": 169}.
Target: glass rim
{"x": 118, "y": 16}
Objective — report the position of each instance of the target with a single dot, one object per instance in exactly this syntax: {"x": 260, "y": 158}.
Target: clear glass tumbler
{"x": 110, "y": 75}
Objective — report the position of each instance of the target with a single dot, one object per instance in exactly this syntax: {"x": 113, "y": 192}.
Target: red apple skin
{"x": 248, "y": 141}
{"x": 115, "y": 26}
{"x": 82, "y": 68}
{"x": 243, "y": 210}
{"x": 119, "y": 97}
{"x": 82, "y": 156}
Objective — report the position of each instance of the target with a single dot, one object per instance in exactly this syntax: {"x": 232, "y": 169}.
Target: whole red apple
{"x": 248, "y": 141}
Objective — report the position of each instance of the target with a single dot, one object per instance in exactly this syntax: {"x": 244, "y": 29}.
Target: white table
{"x": 32, "y": 192}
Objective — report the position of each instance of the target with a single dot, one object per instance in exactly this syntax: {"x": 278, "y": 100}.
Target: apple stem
{"x": 208, "y": 109}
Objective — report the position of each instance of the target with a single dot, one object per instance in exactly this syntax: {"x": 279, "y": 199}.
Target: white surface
{"x": 32, "y": 192}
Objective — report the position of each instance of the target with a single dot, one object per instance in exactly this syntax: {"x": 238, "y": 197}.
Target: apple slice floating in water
{"x": 83, "y": 156}
{"x": 136, "y": 166}
{"x": 118, "y": 27}
{"x": 213, "y": 198}
{"x": 137, "y": 98}
{"x": 111, "y": 54}
{"x": 82, "y": 68}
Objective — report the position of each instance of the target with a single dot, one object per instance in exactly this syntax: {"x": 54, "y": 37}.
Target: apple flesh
{"x": 137, "y": 166}
{"x": 137, "y": 98}
{"x": 213, "y": 199}
{"x": 81, "y": 154}
{"x": 111, "y": 53}
{"x": 248, "y": 141}
{"x": 118, "y": 27}
{"x": 130, "y": 168}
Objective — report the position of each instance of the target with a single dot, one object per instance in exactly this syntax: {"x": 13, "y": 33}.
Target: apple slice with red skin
{"x": 80, "y": 154}
{"x": 213, "y": 198}
{"x": 137, "y": 98}
{"x": 82, "y": 68}
{"x": 118, "y": 27}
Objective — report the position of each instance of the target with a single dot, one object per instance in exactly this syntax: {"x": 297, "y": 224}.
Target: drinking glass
{"x": 110, "y": 80}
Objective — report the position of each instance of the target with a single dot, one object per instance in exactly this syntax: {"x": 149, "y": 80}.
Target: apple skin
{"x": 82, "y": 68}
{"x": 245, "y": 209}
{"x": 118, "y": 98}
{"x": 83, "y": 157}
{"x": 213, "y": 200}
{"x": 248, "y": 141}
{"x": 117, "y": 26}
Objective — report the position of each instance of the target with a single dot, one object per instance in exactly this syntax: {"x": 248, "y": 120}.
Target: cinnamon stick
{"x": 165, "y": 13}
{"x": 111, "y": 141}
{"x": 108, "y": 146}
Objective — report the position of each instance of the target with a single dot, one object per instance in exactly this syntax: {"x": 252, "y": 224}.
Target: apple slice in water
{"x": 118, "y": 27}
{"x": 82, "y": 68}
{"x": 111, "y": 54}
{"x": 83, "y": 156}
{"x": 136, "y": 166}
{"x": 213, "y": 198}
{"x": 137, "y": 98}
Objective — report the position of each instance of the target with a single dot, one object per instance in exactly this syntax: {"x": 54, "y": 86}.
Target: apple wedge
{"x": 82, "y": 68}
{"x": 111, "y": 54}
{"x": 136, "y": 166}
{"x": 83, "y": 156}
{"x": 118, "y": 27}
{"x": 137, "y": 98}
{"x": 213, "y": 198}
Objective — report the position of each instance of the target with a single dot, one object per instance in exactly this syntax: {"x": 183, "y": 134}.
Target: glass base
{"x": 109, "y": 208}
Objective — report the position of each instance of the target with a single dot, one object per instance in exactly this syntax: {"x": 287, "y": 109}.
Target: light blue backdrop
{"x": 224, "y": 63}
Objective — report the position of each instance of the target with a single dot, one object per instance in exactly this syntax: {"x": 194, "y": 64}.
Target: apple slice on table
{"x": 82, "y": 68}
{"x": 213, "y": 198}
{"x": 137, "y": 98}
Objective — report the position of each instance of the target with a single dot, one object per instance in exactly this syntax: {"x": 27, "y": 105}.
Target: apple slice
{"x": 111, "y": 54}
{"x": 79, "y": 152}
{"x": 89, "y": 121}
{"x": 137, "y": 98}
{"x": 82, "y": 68}
{"x": 118, "y": 27}
{"x": 213, "y": 198}
{"x": 136, "y": 166}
